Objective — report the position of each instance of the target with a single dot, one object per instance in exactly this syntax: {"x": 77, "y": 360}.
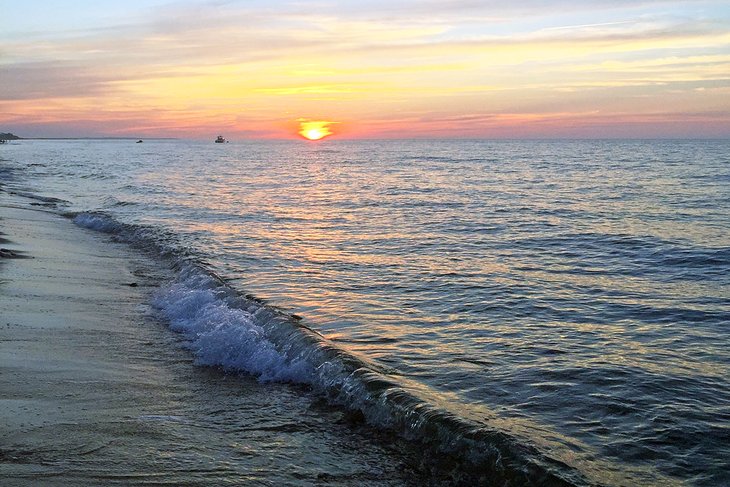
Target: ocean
{"x": 551, "y": 312}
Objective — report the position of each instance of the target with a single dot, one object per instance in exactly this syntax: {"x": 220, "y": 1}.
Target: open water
{"x": 547, "y": 312}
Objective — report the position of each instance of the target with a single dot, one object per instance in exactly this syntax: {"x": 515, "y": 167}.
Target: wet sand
{"x": 94, "y": 390}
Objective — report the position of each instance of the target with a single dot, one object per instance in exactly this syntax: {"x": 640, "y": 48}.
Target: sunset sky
{"x": 392, "y": 68}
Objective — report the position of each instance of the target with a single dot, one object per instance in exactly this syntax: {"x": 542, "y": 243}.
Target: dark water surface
{"x": 573, "y": 296}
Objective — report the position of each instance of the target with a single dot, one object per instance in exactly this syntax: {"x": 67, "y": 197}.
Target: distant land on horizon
{"x": 10, "y": 136}
{"x": 101, "y": 138}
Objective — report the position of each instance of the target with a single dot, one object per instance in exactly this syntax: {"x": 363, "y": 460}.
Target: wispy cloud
{"x": 182, "y": 66}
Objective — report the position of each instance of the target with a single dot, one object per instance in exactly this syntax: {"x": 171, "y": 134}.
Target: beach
{"x": 96, "y": 391}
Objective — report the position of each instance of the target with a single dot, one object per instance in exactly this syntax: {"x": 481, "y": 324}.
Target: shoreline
{"x": 96, "y": 390}
{"x": 68, "y": 315}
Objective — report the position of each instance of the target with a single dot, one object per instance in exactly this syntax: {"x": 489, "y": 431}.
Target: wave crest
{"x": 222, "y": 335}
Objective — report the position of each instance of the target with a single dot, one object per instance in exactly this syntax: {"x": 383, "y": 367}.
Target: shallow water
{"x": 96, "y": 391}
{"x": 572, "y": 294}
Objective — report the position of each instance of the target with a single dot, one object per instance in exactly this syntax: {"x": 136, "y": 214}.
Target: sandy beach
{"x": 72, "y": 385}
{"x": 96, "y": 391}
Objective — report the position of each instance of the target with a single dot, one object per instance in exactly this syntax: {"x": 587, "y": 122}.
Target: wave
{"x": 226, "y": 328}
{"x": 45, "y": 199}
{"x": 631, "y": 255}
{"x": 111, "y": 201}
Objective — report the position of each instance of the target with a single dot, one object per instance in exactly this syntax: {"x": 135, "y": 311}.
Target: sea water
{"x": 559, "y": 308}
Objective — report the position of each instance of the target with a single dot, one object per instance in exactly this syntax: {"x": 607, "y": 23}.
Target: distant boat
{"x": 139, "y": 141}
{"x": 220, "y": 140}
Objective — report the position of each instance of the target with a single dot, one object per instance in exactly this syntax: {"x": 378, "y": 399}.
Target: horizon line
{"x": 349, "y": 139}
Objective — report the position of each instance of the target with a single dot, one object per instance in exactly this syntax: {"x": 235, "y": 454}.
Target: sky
{"x": 366, "y": 69}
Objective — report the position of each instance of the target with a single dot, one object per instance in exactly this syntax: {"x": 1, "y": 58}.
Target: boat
{"x": 220, "y": 140}
{"x": 139, "y": 141}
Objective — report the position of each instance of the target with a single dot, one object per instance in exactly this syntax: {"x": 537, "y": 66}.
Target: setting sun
{"x": 315, "y": 129}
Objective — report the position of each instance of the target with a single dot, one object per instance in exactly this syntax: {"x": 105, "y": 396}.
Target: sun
{"x": 314, "y": 134}
{"x": 315, "y": 129}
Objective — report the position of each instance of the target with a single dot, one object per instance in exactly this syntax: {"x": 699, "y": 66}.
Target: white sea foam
{"x": 219, "y": 333}
{"x": 225, "y": 336}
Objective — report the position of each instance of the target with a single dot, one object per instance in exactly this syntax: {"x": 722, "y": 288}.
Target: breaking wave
{"x": 226, "y": 328}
